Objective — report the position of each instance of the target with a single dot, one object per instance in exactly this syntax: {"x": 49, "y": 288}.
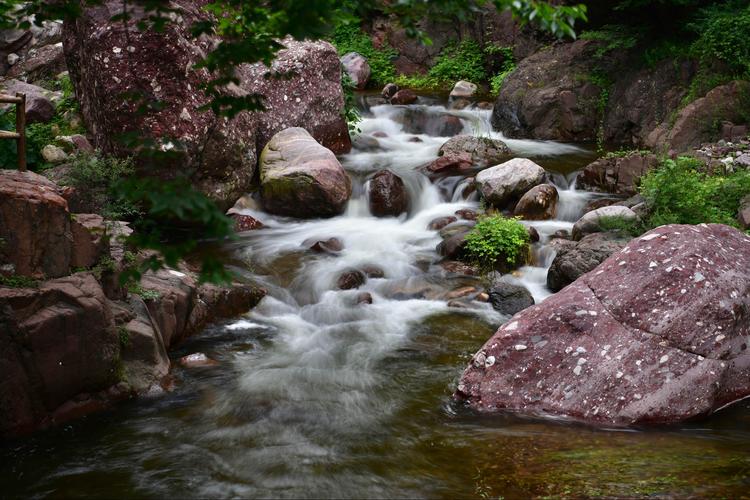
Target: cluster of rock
{"x": 107, "y": 58}
{"x": 73, "y": 341}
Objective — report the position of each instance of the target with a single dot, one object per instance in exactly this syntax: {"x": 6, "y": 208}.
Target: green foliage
{"x": 172, "y": 214}
{"x": 124, "y": 337}
{"x": 623, "y": 153}
{"x": 143, "y": 293}
{"x": 497, "y": 241}
{"x": 612, "y": 37}
{"x": 18, "y": 281}
{"x": 724, "y": 35}
{"x": 459, "y": 61}
{"x": 678, "y": 192}
{"x": 660, "y": 50}
{"x": 349, "y": 37}
{"x": 604, "y": 83}
{"x": 351, "y": 113}
{"x": 508, "y": 66}
{"x": 94, "y": 178}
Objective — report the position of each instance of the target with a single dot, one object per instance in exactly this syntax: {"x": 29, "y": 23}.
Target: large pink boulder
{"x": 656, "y": 333}
{"x": 301, "y": 178}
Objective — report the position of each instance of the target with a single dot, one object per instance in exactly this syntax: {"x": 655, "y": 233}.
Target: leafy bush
{"x": 724, "y": 35}
{"x": 612, "y": 37}
{"x": 497, "y": 241}
{"x": 462, "y": 61}
{"x": 508, "y": 66}
{"x": 350, "y": 38}
{"x": 678, "y": 192}
{"x": 94, "y": 178}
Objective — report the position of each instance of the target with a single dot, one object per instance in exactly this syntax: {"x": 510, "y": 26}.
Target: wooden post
{"x": 20, "y": 130}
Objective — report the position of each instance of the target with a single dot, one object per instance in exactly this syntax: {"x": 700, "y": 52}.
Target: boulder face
{"x": 509, "y": 299}
{"x": 696, "y": 122}
{"x": 357, "y": 68}
{"x": 57, "y": 341}
{"x": 107, "y": 59}
{"x": 655, "y": 334}
{"x": 546, "y": 97}
{"x": 617, "y": 175}
{"x": 539, "y": 203}
{"x": 301, "y": 178}
{"x": 34, "y": 226}
{"x": 387, "y": 195}
{"x": 463, "y": 88}
{"x": 509, "y": 181}
{"x": 39, "y": 107}
{"x": 576, "y": 259}
{"x": 484, "y": 151}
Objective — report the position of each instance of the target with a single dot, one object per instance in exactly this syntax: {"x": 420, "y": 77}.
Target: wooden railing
{"x": 19, "y": 135}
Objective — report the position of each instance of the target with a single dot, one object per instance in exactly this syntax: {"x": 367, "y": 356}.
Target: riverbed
{"x": 315, "y": 395}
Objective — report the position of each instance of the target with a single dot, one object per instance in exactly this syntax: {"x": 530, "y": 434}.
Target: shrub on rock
{"x": 497, "y": 243}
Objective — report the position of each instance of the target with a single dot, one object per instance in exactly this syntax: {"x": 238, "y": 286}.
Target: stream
{"x": 318, "y": 396}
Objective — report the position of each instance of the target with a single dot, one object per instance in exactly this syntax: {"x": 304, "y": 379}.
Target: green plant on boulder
{"x": 94, "y": 178}
{"x": 497, "y": 243}
{"x": 349, "y": 37}
{"x": 457, "y": 61}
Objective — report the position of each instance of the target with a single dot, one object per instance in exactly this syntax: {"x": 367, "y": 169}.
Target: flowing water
{"x": 317, "y": 396}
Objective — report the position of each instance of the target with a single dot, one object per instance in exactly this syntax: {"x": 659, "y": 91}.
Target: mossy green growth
{"x": 349, "y": 37}
{"x": 457, "y": 61}
{"x": 18, "y": 281}
{"x": 497, "y": 243}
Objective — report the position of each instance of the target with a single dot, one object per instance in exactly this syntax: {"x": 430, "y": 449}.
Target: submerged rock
{"x": 509, "y": 181}
{"x": 508, "y": 298}
{"x": 389, "y": 90}
{"x": 539, "y": 203}
{"x": 655, "y": 334}
{"x": 404, "y": 96}
{"x": 387, "y": 195}
{"x": 483, "y": 151}
{"x": 301, "y": 178}
{"x": 574, "y": 260}
{"x": 351, "y": 279}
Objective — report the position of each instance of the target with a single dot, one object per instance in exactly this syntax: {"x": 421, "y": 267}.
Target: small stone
{"x": 53, "y": 154}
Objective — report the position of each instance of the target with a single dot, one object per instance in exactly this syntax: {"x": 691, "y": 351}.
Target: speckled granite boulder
{"x": 657, "y": 333}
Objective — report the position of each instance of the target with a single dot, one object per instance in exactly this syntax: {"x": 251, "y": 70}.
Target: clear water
{"x": 316, "y": 396}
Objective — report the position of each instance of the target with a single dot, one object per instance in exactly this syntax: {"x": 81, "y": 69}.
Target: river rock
{"x": 244, "y": 222}
{"x": 460, "y": 268}
{"x": 467, "y": 214}
{"x": 483, "y": 150}
{"x": 508, "y": 181}
{"x": 617, "y": 174}
{"x": 389, "y": 90}
{"x": 425, "y": 121}
{"x": 197, "y": 360}
{"x": 453, "y": 246}
{"x": 357, "y": 68}
{"x": 387, "y": 195}
{"x": 508, "y": 298}
{"x": 447, "y": 166}
{"x": 404, "y": 96}
{"x": 590, "y": 222}
{"x": 221, "y": 152}
{"x": 301, "y": 178}
{"x": 351, "y": 279}
{"x": 533, "y": 234}
{"x": 463, "y": 88}
{"x": 655, "y": 334}
{"x": 331, "y": 245}
{"x": 574, "y": 260}
{"x": 441, "y": 222}
{"x": 91, "y": 237}
{"x": 53, "y": 154}
{"x": 539, "y": 203}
